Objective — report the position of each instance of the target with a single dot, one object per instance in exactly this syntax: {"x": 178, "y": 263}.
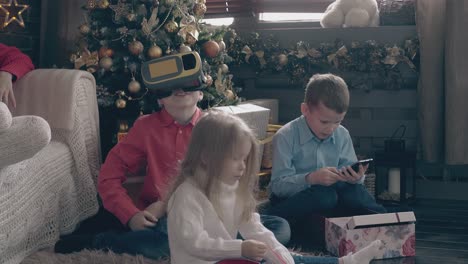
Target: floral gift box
{"x": 344, "y": 235}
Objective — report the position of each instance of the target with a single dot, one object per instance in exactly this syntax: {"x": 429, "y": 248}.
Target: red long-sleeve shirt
{"x": 12, "y": 60}
{"x": 155, "y": 142}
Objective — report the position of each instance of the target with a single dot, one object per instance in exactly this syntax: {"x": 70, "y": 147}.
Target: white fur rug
{"x": 88, "y": 257}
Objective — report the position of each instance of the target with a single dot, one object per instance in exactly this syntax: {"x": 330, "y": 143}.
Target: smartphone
{"x": 364, "y": 162}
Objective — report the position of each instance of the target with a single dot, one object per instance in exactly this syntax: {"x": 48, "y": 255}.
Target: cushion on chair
{"x": 23, "y": 138}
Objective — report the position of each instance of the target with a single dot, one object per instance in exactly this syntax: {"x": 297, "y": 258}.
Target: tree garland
{"x": 387, "y": 66}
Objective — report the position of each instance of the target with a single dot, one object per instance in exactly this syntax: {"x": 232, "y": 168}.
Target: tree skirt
{"x": 88, "y": 257}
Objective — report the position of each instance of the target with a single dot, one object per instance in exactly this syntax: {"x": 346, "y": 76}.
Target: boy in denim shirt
{"x": 312, "y": 156}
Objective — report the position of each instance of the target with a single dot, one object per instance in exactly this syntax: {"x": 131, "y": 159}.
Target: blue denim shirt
{"x": 297, "y": 152}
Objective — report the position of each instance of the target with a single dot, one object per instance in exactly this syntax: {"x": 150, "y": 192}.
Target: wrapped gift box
{"x": 344, "y": 235}
{"x": 271, "y": 104}
{"x": 255, "y": 116}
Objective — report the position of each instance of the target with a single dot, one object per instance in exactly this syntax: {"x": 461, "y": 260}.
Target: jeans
{"x": 152, "y": 243}
{"x": 278, "y": 226}
{"x": 351, "y": 199}
{"x": 314, "y": 260}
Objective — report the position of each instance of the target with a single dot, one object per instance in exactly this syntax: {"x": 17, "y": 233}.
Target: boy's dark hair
{"x": 329, "y": 89}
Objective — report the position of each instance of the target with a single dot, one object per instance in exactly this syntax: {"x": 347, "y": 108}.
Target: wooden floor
{"x": 441, "y": 233}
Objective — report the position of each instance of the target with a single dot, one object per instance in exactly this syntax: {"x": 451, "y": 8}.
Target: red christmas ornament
{"x": 105, "y": 52}
{"x": 211, "y": 48}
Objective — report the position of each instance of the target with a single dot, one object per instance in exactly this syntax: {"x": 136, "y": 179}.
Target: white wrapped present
{"x": 271, "y": 104}
{"x": 255, "y": 116}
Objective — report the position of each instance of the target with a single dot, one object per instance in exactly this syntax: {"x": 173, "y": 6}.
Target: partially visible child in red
{"x": 13, "y": 65}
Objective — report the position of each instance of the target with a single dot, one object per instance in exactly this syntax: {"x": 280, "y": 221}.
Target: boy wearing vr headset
{"x": 156, "y": 144}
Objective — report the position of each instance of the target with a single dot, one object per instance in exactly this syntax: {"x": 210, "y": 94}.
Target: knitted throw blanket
{"x": 48, "y": 194}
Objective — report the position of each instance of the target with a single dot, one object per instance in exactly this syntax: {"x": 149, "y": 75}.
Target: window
{"x": 291, "y": 6}
{"x": 224, "y": 21}
{"x": 281, "y": 14}
{"x": 266, "y": 11}
{"x": 290, "y": 17}
{"x": 228, "y": 8}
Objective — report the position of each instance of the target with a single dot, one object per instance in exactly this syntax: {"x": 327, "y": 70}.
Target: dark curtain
{"x": 443, "y": 86}
{"x": 59, "y": 28}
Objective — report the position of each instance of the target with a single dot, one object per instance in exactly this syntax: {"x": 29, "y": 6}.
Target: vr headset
{"x": 179, "y": 71}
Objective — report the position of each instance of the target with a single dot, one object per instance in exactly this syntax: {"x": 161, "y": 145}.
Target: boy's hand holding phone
{"x": 354, "y": 173}
{"x": 324, "y": 176}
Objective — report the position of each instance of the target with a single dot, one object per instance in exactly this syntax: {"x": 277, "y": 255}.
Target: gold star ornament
{"x": 13, "y": 12}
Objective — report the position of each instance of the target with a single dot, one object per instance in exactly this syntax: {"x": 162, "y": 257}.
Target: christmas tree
{"x": 117, "y": 36}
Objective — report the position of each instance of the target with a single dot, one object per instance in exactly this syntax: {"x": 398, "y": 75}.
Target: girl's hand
{"x": 142, "y": 220}
{"x": 352, "y": 176}
{"x": 253, "y": 249}
{"x": 158, "y": 209}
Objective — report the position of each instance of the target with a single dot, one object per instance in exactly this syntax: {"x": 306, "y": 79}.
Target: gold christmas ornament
{"x": 154, "y": 52}
{"x": 120, "y": 103}
{"x": 105, "y": 63}
{"x": 184, "y": 48}
{"x": 199, "y": 9}
{"x": 103, "y": 4}
{"x": 222, "y": 46}
{"x": 171, "y": 26}
{"x": 105, "y": 52}
{"x": 211, "y": 48}
{"x": 224, "y": 68}
{"x": 282, "y": 59}
{"x": 135, "y": 47}
{"x": 84, "y": 29}
{"x": 134, "y": 86}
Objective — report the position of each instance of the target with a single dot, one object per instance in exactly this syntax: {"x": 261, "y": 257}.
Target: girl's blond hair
{"x": 214, "y": 138}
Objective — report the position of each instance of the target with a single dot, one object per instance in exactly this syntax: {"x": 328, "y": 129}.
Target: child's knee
{"x": 329, "y": 202}
{"x": 326, "y": 198}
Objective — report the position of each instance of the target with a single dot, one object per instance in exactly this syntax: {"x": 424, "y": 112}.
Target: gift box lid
{"x": 242, "y": 108}
{"x": 361, "y": 221}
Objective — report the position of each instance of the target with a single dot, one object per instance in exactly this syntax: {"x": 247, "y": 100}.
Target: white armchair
{"x": 47, "y": 195}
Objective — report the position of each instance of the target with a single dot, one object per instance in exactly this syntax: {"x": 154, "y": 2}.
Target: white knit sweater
{"x": 197, "y": 235}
